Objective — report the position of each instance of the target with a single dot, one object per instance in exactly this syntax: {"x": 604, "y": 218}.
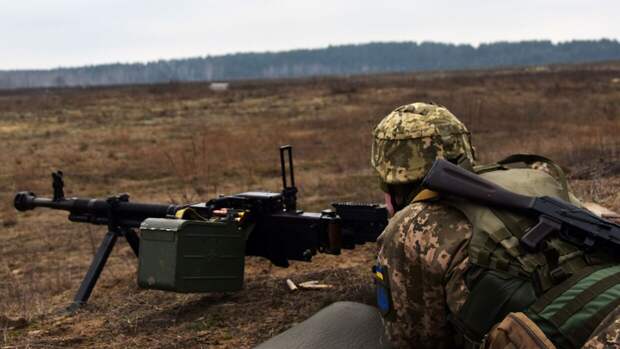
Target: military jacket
{"x": 424, "y": 249}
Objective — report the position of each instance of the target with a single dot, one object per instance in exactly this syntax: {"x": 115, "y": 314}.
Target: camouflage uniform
{"x": 424, "y": 247}
{"x": 425, "y": 250}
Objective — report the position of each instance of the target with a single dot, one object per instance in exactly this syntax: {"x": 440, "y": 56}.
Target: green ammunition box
{"x": 191, "y": 256}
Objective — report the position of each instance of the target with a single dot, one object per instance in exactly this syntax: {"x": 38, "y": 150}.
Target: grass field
{"x": 183, "y": 143}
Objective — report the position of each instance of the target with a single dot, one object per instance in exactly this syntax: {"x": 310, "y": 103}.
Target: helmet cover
{"x": 409, "y": 139}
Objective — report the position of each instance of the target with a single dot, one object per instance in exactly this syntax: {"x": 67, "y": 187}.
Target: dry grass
{"x": 183, "y": 142}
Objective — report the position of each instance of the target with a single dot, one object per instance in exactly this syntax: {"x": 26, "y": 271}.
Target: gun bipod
{"x": 103, "y": 252}
{"x": 99, "y": 261}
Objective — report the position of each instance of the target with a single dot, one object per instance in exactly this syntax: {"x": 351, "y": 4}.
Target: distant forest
{"x": 333, "y": 60}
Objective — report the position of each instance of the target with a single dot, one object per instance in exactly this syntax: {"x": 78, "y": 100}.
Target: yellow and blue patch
{"x": 382, "y": 285}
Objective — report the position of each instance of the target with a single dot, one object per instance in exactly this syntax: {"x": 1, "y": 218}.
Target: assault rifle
{"x": 195, "y": 248}
{"x": 573, "y": 224}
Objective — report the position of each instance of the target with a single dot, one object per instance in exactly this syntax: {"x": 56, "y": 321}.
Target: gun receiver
{"x": 278, "y": 231}
{"x": 573, "y": 224}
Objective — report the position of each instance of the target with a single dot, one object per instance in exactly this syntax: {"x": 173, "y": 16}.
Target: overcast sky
{"x": 52, "y": 33}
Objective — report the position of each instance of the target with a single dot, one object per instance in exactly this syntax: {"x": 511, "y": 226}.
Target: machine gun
{"x": 573, "y": 224}
{"x": 200, "y": 247}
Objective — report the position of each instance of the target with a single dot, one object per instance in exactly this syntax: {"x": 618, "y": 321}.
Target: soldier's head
{"x": 407, "y": 142}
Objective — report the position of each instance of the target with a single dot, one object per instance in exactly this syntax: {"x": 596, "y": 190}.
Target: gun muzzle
{"x": 24, "y": 201}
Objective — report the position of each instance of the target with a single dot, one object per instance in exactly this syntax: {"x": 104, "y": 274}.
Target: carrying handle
{"x": 289, "y": 193}
{"x": 289, "y": 150}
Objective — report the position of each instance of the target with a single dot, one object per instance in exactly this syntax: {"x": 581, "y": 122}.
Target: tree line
{"x": 368, "y": 58}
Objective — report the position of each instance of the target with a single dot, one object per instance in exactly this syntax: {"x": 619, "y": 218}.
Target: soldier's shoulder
{"x": 431, "y": 229}
{"x": 426, "y": 215}
{"x": 429, "y": 211}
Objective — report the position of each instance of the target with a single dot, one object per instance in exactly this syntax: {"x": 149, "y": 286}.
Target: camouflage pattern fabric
{"x": 425, "y": 250}
{"x": 409, "y": 139}
{"x": 607, "y": 334}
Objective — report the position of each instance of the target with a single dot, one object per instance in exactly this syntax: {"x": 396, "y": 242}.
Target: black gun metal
{"x": 281, "y": 232}
{"x": 573, "y": 224}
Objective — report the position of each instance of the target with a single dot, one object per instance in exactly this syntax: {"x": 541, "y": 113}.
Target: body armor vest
{"x": 565, "y": 290}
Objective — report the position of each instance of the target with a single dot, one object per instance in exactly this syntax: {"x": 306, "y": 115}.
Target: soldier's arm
{"x": 424, "y": 251}
{"x": 602, "y": 211}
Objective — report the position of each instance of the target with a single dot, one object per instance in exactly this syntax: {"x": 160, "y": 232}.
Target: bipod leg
{"x": 132, "y": 239}
{"x": 96, "y": 266}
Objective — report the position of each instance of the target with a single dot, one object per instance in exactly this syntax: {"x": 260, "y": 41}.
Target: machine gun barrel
{"x": 97, "y": 211}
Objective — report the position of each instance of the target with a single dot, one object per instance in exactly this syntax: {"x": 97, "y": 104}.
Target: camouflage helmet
{"x": 409, "y": 139}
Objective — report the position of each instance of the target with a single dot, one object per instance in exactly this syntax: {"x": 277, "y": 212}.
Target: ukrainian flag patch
{"x": 382, "y": 285}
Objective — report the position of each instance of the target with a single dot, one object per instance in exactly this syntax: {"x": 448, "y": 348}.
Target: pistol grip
{"x": 534, "y": 236}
